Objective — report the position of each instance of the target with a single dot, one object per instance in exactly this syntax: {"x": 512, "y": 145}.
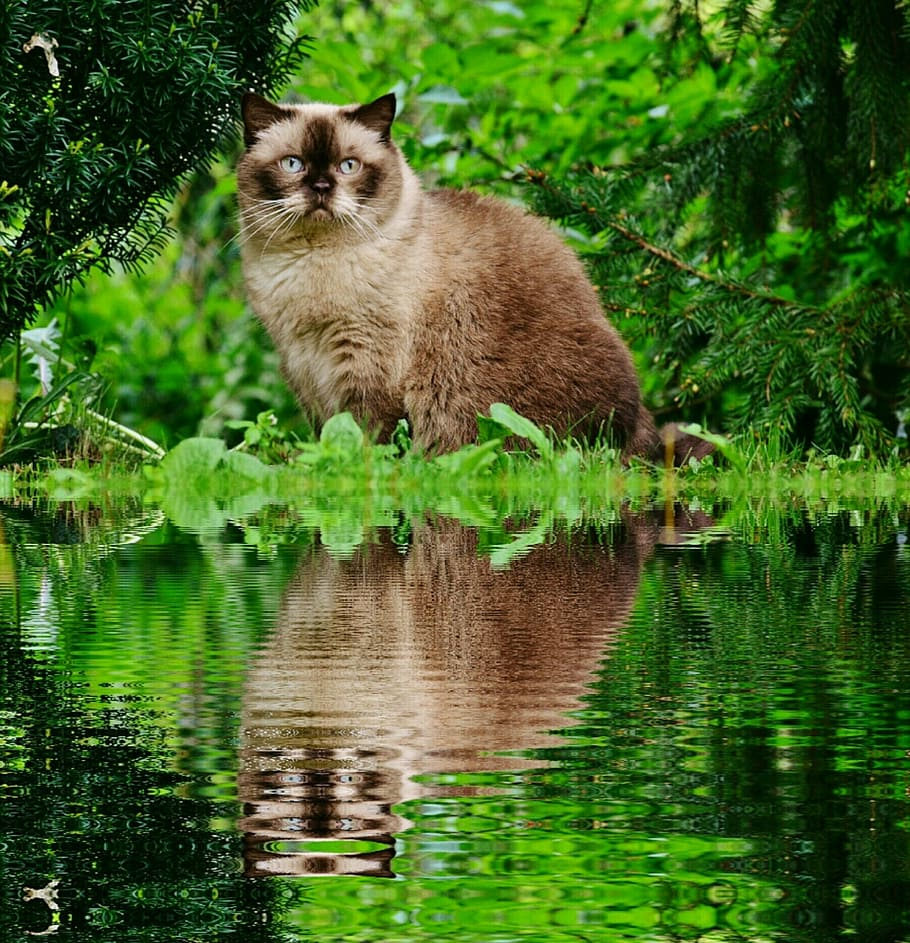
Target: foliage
{"x": 760, "y": 259}
{"x": 745, "y": 246}
{"x": 104, "y": 108}
{"x": 488, "y": 87}
{"x": 342, "y": 483}
{"x": 57, "y": 420}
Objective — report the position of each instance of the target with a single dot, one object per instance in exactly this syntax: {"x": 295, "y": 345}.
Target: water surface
{"x": 598, "y": 731}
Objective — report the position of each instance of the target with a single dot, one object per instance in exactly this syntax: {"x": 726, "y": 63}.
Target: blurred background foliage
{"x": 614, "y": 107}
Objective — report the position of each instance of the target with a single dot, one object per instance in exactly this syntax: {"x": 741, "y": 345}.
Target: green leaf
{"x": 470, "y": 460}
{"x": 201, "y": 457}
{"x": 193, "y": 458}
{"x": 442, "y": 95}
{"x": 245, "y": 465}
{"x": 342, "y": 434}
{"x": 440, "y": 59}
{"x": 721, "y": 442}
{"x": 523, "y": 428}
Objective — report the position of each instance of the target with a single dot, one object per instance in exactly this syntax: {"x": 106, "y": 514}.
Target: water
{"x": 609, "y": 732}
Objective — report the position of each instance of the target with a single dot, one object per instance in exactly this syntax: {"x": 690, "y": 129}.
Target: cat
{"x": 388, "y": 666}
{"x": 394, "y": 302}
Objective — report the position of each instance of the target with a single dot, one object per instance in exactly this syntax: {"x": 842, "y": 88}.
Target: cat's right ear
{"x": 258, "y": 114}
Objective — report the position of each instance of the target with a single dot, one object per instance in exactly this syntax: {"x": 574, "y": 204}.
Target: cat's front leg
{"x": 437, "y": 423}
{"x": 377, "y": 411}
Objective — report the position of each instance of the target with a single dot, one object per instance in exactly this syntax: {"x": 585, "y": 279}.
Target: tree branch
{"x": 665, "y": 255}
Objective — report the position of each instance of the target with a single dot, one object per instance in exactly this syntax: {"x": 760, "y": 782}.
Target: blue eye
{"x": 350, "y": 165}
{"x": 293, "y": 165}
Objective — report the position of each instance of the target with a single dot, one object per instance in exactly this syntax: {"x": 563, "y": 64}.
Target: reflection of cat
{"x": 392, "y": 302}
{"x": 390, "y": 665}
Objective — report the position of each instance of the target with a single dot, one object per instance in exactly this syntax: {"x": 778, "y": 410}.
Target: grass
{"x": 278, "y": 489}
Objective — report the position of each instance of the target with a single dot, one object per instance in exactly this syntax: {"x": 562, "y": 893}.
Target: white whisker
{"x": 274, "y": 218}
{"x": 363, "y": 227}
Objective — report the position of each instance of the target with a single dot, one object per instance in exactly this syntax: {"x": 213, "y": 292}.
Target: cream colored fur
{"x": 310, "y": 285}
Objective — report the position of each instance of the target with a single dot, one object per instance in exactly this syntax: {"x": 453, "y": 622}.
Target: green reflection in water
{"x": 736, "y": 766}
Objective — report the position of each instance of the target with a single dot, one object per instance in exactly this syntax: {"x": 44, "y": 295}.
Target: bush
{"x": 761, "y": 260}
{"x": 105, "y": 106}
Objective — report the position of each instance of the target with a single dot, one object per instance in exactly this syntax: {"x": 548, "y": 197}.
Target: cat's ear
{"x": 258, "y": 114}
{"x": 377, "y": 116}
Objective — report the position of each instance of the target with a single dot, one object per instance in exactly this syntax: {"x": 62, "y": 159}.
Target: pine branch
{"x": 733, "y": 287}
{"x": 92, "y": 152}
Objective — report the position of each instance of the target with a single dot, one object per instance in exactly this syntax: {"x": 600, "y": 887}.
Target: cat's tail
{"x": 677, "y": 447}
{"x": 668, "y": 445}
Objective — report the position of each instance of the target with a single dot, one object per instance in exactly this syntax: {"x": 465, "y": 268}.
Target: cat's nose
{"x": 322, "y": 185}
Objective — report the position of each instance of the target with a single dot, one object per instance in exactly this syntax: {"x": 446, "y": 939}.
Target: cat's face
{"x": 309, "y": 170}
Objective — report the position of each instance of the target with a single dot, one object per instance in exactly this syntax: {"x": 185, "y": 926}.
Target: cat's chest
{"x": 339, "y": 324}
{"x": 317, "y": 284}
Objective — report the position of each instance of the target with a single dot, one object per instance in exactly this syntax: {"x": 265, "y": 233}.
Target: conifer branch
{"x": 665, "y": 255}
{"x": 92, "y": 150}
{"x": 807, "y": 186}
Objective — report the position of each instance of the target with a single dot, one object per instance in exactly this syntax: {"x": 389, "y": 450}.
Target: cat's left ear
{"x": 377, "y": 116}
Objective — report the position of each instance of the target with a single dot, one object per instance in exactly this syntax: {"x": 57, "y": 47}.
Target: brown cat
{"x": 389, "y": 666}
{"x": 391, "y": 301}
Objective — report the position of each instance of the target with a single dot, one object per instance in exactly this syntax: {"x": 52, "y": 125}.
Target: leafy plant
{"x": 760, "y": 260}
{"x": 266, "y": 438}
{"x": 104, "y": 108}
{"x": 57, "y": 420}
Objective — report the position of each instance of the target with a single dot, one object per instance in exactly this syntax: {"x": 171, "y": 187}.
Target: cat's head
{"x": 311, "y": 169}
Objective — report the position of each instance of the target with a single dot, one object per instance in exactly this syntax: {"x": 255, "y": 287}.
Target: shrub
{"x": 105, "y": 106}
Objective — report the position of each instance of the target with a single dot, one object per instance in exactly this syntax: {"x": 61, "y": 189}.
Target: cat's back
{"x": 476, "y": 221}
{"x": 510, "y": 315}
{"x": 503, "y": 250}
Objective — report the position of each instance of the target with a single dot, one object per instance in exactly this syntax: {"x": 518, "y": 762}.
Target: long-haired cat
{"x": 394, "y": 302}
{"x": 389, "y": 667}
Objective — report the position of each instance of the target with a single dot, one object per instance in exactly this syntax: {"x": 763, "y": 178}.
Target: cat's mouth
{"x": 320, "y": 214}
